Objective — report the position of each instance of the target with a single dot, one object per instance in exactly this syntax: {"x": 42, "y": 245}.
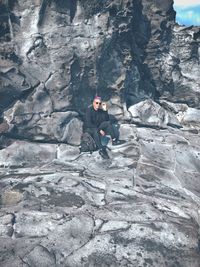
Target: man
{"x": 97, "y": 124}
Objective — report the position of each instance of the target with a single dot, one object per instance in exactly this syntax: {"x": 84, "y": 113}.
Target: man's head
{"x": 96, "y": 102}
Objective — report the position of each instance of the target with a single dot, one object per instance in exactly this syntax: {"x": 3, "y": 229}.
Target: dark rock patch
{"x": 64, "y": 199}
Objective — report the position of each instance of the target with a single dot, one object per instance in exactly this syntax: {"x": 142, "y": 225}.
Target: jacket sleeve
{"x": 88, "y": 119}
{"x": 107, "y": 118}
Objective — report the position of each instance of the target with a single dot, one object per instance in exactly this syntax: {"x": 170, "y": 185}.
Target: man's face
{"x": 96, "y": 104}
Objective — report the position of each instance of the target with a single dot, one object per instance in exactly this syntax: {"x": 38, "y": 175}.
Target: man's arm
{"x": 107, "y": 118}
{"x": 88, "y": 119}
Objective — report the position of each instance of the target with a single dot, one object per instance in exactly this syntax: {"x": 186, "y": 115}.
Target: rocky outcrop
{"x": 149, "y": 113}
{"x": 55, "y": 56}
{"x": 179, "y": 69}
{"x": 61, "y": 208}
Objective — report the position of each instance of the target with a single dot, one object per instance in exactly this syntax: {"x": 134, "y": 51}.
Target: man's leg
{"x": 108, "y": 128}
{"x": 97, "y": 138}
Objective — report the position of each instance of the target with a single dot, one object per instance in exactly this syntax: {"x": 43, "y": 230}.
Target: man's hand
{"x": 102, "y": 132}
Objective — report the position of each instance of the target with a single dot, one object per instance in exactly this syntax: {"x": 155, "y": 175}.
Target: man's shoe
{"x": 116, "y": 142}
{"x": 103, "y": 153}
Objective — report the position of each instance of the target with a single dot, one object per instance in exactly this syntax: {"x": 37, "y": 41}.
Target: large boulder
{"x": 149, "y": 113}
{"x": 21, "y": 153}
{"x": 37, "y": 121}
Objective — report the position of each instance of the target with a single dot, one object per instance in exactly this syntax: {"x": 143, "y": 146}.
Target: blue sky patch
{"x": 188, "y": 16}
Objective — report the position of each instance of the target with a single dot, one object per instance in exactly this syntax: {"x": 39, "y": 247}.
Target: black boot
{"x": 103, "y": 153}
{"x": 116, "y": 142}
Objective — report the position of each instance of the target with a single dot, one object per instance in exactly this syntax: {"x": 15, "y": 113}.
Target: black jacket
{"x": 94, "y": 118}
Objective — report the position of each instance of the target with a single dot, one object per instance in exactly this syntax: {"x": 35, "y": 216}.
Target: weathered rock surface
{"x": 140, "y": 208}
{"x": 149, "y": 113}
{"x": 60, "y": 208}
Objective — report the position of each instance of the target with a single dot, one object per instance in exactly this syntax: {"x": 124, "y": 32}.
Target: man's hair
{"x": 97, "y": 98}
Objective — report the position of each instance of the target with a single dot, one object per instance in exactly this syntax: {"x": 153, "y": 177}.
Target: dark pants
{"x": 107, "y": 127}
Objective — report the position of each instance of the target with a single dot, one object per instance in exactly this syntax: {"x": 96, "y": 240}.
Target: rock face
{"x": 61, "y": 208}
{"x": 140, "y": 208}
{"x": 56, "y": 55}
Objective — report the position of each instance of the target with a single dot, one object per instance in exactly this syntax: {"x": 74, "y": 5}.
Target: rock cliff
{"x": 59, "y": 208}
{"x": 55, "y": 56}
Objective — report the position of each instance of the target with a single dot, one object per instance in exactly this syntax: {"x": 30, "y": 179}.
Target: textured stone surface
{"x": 140, "y": 208}
{"x": 56, "y": 55}
{"x": 149, "y": 113}
{"x": 65, "y": 209}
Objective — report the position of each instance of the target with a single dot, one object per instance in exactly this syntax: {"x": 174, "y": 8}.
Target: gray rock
{"x": 61, "y": 208}
{"x": 191, "y": 117}
{"x": 6, "y": 225}
{"x": 149, "y": 113}
{"x": 40, "y": 256}
{"x": 180, "y": 67}
{"x": 88, "y": 211}
{"x": 173, "y": 107}
{"x": 44, "y": 125}
{"x": 67, "y": 153}
{"x": 22, "y": 153}
{"x": 73, "y": 132}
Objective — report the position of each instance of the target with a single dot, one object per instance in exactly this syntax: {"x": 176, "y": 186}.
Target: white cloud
{"x": 186, "y": 3}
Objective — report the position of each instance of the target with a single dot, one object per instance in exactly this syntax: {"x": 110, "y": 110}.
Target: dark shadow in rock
{"x": 101, "y": 260}
{"x": 62, "y": 6}
{"x": 80, "y": 87}
{"x": 8, "y": 95}
{"x": 14, "y": 19}
{"x": 115, "y": 124}
{"x": 4, "y": 23}
{"x": 196, "y": 35}
{"x": 149, "y": 83}
{"x": 198, "y": 248}
{"x": 13, "y": 84}
{"x": 73, "y": 8}
{"x": 4, "y": 142}
{"x": 11, "y": 56}
{"x": 64, "y": 199}
{"x": 11, "y": 4}
{"x": 92, "y": 7}
{"x": 42, "y": 10}
{"x": 21, "y": 187}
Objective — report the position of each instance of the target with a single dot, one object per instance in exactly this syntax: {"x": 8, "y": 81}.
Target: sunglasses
{"x": 98, "y": 103}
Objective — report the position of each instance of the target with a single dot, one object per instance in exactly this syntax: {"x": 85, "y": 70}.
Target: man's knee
{"x": 104, "y": 125}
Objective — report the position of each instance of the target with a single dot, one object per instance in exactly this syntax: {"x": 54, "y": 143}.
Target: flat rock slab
{"x": 139, "y": 208}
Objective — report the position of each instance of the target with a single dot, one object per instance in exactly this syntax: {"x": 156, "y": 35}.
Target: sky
{"x": 187, "y": 12}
